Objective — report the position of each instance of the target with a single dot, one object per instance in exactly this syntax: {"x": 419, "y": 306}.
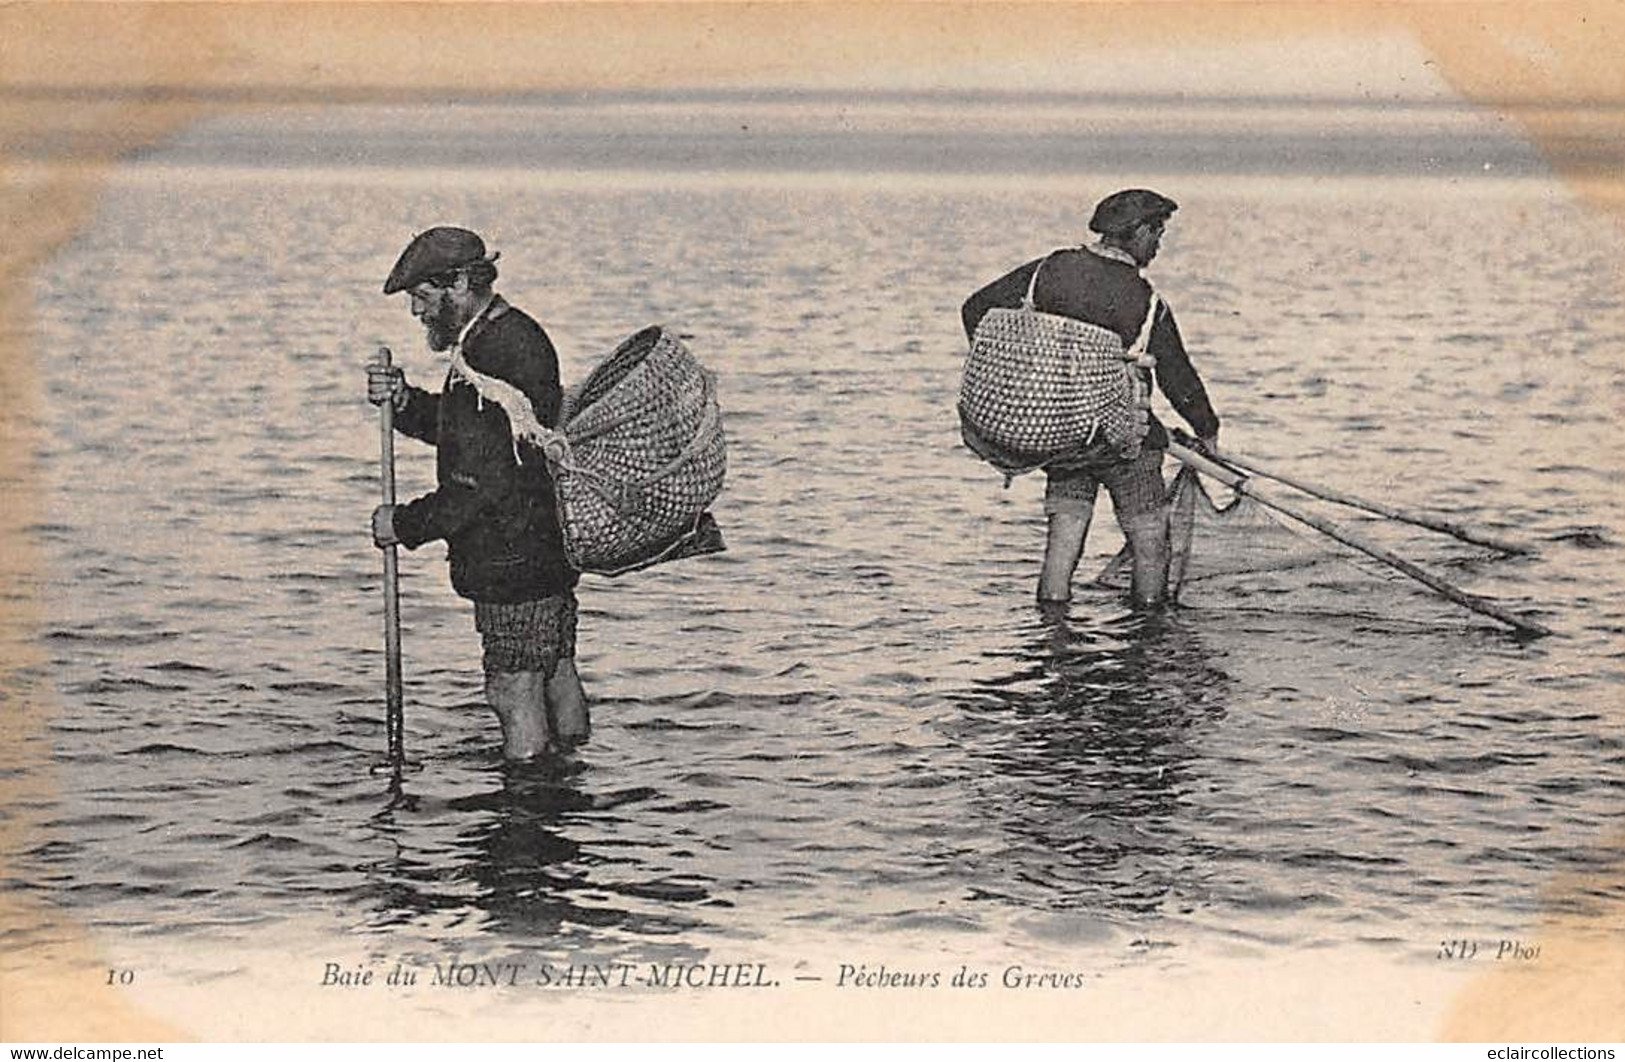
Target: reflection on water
{"x": 503, "y": 860}
{"x": 1089, "y": 741}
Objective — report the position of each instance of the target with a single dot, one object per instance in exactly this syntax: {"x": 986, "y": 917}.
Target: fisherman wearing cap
{"x": 494, "y": 504}
{"x": 1100, "y": 284}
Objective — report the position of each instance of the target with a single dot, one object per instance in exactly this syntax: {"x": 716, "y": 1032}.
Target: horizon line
{"x": 366, "y": 95}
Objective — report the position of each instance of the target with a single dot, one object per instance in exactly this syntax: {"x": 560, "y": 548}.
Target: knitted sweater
{"x": 496, "y": 514}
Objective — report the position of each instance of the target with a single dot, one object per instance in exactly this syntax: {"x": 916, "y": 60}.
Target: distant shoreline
{"x": 925, "y": 134}
{"x": 391, "y": 95}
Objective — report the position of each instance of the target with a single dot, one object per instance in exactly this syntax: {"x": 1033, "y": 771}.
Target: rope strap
{"x": 555, "y": 446}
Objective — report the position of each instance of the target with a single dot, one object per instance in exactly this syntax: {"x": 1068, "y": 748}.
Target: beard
{"x": 442, "y": 327}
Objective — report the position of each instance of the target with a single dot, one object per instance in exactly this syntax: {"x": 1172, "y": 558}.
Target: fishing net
{"x": 1230, "y": 549}
{"x": 1265, "y": 551}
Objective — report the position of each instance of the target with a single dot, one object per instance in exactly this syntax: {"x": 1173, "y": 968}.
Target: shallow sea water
{"x": 855, "y": 725}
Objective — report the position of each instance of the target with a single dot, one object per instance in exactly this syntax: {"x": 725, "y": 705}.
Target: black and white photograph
{"x": 812, "y": 521}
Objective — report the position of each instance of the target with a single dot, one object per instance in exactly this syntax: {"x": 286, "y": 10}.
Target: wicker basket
{"x": 646, "y": 459}
{"x": 1038, "y": 386}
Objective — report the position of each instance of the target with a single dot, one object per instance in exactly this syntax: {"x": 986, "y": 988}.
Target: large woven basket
{"x": 646, "y": 459}
{"x": 1038, "y": 385}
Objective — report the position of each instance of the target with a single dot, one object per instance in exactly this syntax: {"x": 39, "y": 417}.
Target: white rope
{"x": 522, "y": 422}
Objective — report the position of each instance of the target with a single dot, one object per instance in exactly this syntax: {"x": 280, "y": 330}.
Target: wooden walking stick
{"x": 1427, "y": 520}
{"x": 1243, "y": 485}
{"x": 395, "y": 715}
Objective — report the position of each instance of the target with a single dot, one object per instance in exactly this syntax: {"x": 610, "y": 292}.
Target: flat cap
{"x": 1121, "y": 211}
{"x": 431, "y": 253}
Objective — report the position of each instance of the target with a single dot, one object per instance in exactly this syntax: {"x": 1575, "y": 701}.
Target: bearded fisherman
{"x": 494, "y": 505}
{"x": 1101, "y": 284}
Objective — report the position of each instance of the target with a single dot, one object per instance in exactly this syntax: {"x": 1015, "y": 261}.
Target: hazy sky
{"x": 1380, "y": 66}
{"x": 1339, "y": 49}
{"x": 62, "y": 61}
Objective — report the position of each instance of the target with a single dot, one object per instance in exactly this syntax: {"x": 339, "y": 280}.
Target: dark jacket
{"x": 496, "y": 514}
{"x": 1103, "y": 291}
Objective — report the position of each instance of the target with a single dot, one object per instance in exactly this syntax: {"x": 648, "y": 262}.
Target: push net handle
{"x": 394, "y": 701}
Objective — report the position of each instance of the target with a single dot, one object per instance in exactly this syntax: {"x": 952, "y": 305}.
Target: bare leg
{"x": 567, "y": 705}
{"x": 517, "y": 699}
{"x": 1062, "y": 549}
{"x": 1148, "y": 539}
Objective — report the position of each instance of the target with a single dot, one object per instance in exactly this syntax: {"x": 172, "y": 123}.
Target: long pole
{"x": 1243, "y": 485}
{"x": 1427, "y": 520}
{"x": 395, "y": 715}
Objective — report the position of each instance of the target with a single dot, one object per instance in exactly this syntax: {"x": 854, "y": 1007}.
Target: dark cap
{"x": 1121, "y": 211}
{"x": 431, "y": 253}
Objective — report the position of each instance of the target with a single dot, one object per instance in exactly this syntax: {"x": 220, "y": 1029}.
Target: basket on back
{"x": 645, "y": 460}
{"x": 1039, "y": 386}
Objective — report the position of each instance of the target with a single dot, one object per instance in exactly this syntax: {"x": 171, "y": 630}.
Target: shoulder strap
{"x": 1032, "y": 285}
{"x": 1144, "y": 339}
{"x": 522, "y": 422}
